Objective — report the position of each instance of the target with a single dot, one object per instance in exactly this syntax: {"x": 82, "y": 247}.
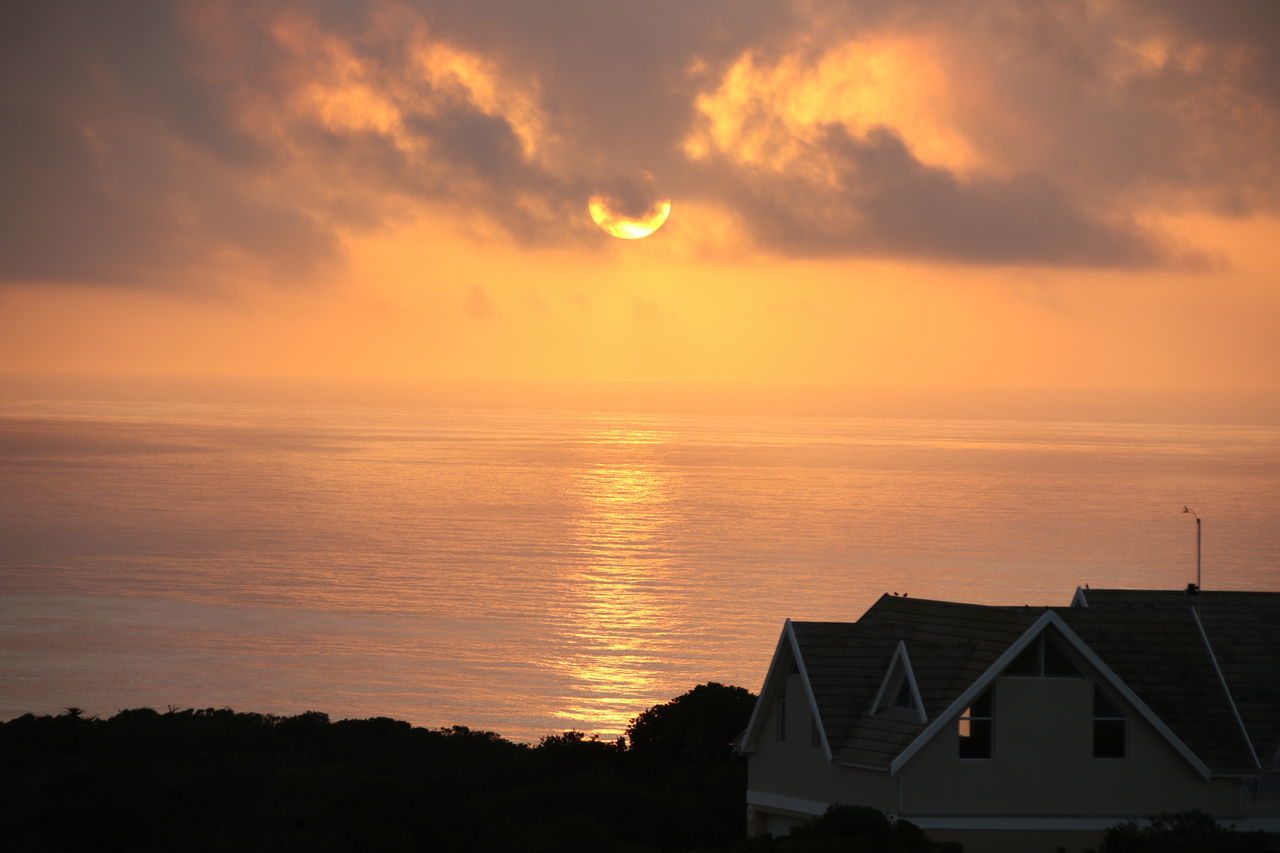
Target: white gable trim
{"x": 1131, "y": 697}
{"x": 974, "y": 690}
{"x": 901, "y": 660}
{"x": 769, "y": 800}
{"x": 985, "y": 680}
{"x": 1079, "y": 599}
{"x": 1195, "y": 613}
{"x": 808, "y": 690}
{"x": 787, "y": 642}
{"x": 749, "y": 735}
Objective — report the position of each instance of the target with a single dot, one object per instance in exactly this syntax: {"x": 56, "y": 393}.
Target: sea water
{"x": 529, "y": 571}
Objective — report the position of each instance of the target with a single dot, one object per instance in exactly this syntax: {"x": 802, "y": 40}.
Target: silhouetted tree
{"x": 853, "y": 829}
{"x": 1181, "y": 832}
{"x": 215, "y": 779}
{"x": 700, "y": 725}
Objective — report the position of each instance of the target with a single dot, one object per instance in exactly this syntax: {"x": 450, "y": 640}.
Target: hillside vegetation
{"x": 217, "y": 779}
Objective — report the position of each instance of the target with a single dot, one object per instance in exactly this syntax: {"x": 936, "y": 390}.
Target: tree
{"x": 1181, "y": 832}
{"x": 700, "y": 725}
{"x": 845, "y": 828}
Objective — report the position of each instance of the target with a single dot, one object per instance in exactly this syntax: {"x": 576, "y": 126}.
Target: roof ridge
{"x": 960, "y": 605}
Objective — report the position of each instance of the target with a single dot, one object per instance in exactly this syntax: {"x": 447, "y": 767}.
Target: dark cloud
{"x": 615, "y": 74}
{"x": 122, "y": 165}
{"x": 631, "y": 196}
{"x": 475, "y": 159}
{"x": 1252, "y": 26}
{"x": 1135, "y": 105}
{"x": 147, "y": 142}
{"x": 886, "y": 202}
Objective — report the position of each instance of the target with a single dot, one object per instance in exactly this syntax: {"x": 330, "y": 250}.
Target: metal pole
{"x": 1197, "y": 552}
{"x": 1188, "y": 509}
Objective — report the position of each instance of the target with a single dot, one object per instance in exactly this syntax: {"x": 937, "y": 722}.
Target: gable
{"x": 1172, "y": 681}
{"x": 1242, "y": 629}
{"x": 899, "y": 695}
{"x": 946, "y": 645}
{"x": 787, "y": 659}
{"x": 1161, "y": 655}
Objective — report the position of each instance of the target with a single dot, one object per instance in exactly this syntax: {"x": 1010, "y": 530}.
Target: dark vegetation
{"x": 221, "y": 780}
{"x": 1183, "y": 832}
{"x": 218, "y": 780}
{"x": 851, "y": 829}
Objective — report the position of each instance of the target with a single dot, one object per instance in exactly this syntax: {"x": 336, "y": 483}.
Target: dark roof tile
{"x": 1149, "y": 639}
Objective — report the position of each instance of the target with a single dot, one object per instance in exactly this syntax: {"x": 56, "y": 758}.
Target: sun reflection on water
{"x": 615, "y": 627}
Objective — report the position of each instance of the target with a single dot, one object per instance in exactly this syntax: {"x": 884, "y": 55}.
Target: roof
{"x": 1243, "y": 630}
{"x": 1153, "y": 651}
{"x": 949, "y": 646}
{"x": 1161, "y": 655}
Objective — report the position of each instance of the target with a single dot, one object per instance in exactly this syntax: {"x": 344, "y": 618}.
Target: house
{"x": 1025, "y": 728}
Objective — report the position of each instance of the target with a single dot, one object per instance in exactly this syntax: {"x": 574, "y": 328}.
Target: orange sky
{"x": 1064, "y": 195}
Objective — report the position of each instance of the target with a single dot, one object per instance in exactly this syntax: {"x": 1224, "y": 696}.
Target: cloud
{"x": 881, "y": 200}
{"x": 121, "y": 165}
{"x": 163, "y": 144}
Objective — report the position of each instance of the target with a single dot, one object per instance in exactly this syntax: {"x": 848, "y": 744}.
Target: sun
{"x": 602, "y": 210}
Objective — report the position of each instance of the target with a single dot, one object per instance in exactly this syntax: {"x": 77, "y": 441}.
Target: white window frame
{"x": 968, "y": 718}
{"x": 899, "y": 671}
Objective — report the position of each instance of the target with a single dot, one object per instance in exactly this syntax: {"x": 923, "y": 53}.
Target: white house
{"x": 1025, "y": 728}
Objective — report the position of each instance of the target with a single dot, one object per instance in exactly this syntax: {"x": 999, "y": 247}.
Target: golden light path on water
{"x": 614, "y": 620}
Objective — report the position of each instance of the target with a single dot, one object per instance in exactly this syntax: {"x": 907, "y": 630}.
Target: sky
{"x": 906, "y": 194}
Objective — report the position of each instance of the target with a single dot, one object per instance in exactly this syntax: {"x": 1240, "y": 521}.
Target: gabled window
{"x": 902, "y": 697}
{"x": 1044, "y": 657}
{"x": 899, "y": 696}
{"x": 976, "y": 723}
{"x": 1109, "y": 726}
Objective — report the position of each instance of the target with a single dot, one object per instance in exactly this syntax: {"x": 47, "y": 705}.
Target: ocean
{"x": 529, "y": 571}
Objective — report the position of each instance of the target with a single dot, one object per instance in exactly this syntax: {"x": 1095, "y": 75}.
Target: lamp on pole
{"x": 1186, "y": 508}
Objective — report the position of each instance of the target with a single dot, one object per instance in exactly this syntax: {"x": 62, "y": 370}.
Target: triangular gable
{"x": 785, "y": 655}
{"x": 992, "y": 672}
{"x": 779, "y": 664}
{"x": 1079, "y": 599}
{"x": 899, "y": 680}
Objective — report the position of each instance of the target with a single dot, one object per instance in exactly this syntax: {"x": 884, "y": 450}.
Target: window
{"x": 895, "y": 693}
{"x": 975, "y": 728}
{"x": 1108, "y": 727}
{"x": 1043, "y": 657}
{"x": 902, "y": 698}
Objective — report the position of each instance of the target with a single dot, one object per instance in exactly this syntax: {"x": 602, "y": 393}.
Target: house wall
{"x": 1262, "y": 795}
{"x": 797, "y": 769}
{"x": 1042, "y": 763}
